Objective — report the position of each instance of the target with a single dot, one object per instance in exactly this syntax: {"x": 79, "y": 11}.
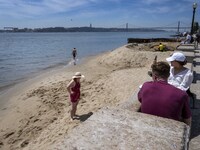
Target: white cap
{"x": 176, "y": 56}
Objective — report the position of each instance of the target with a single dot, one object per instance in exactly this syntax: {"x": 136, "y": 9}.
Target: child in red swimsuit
{"x": 74, "y": 93}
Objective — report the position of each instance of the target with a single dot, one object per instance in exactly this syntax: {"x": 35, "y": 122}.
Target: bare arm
{"x": 70, "y": 85}
{"x": 187, "y": 81}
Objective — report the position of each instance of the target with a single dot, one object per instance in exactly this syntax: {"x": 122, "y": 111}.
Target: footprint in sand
{"x": 3, "y": 108}
{"x": 24, "y": 143}
{"x": 1, "y": 144}
{"x": 8, "y": 134}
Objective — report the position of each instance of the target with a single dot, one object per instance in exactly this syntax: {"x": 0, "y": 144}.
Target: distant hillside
{"x": 80, "y": 29}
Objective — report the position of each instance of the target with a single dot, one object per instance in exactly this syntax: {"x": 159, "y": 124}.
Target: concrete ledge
{"x": 185, "y": 48}
{"x": 192, "y": 44}
{"x": 112, "y": 129}
{"x": 190, "y": 54}
{"x": 132, "y": 103}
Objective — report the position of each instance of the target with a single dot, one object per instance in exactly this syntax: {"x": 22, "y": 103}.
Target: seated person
{"x": 180, "y": 76}
{"x": 159, "y": 98}
{"x": 188, "y": 38}
{"x": 161, "y": 47}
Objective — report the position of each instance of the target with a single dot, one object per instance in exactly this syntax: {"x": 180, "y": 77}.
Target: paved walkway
{"x": 194, "y": 59}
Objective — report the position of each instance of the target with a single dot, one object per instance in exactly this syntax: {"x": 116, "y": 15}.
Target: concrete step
{"x": 185, "y": 50}
{"x": 187, "y": 45}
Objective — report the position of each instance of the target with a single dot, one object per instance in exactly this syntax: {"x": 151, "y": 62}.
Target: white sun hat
{"x": 77, "y": 75}
{"x": 176, "y": 56}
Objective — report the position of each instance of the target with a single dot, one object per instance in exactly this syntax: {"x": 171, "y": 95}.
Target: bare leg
{"x": 73, "y": 111}
{"x": 74, "y": 60}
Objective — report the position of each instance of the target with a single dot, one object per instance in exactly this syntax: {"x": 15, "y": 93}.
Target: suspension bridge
{"x": 173, "y": 26}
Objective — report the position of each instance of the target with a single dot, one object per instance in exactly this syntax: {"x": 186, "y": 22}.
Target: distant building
{"x": 8, "y": 28}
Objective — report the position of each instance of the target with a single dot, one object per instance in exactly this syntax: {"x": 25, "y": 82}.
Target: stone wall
{"x": 116, "y": 128}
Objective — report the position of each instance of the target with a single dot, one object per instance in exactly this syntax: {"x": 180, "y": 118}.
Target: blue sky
{"x": 100, "y": 13}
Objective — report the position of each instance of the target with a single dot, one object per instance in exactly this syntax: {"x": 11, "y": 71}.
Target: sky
{"x": 98, "y": 13}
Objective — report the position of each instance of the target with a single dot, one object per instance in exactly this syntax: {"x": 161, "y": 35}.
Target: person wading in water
{"x": 74, "y": 54}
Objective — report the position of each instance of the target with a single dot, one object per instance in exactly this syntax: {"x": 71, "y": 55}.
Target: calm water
{"x": 23, "y": 54}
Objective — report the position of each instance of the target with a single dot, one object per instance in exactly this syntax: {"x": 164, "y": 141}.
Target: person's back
{"x": 162, "y": 99}
{"x": 159, "y": 98}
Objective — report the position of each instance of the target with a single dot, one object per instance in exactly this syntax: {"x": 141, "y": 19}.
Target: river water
{"x": 23, "y": 54}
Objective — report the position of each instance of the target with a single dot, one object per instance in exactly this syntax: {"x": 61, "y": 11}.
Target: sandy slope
{"x": 37, "y": 112}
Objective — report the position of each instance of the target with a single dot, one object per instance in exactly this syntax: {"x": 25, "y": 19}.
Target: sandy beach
{"x": 35, "y": 114}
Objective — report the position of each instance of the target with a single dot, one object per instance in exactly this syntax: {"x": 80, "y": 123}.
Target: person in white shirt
{"x": 180, "y": 76}
{"x": 188, "y": 39}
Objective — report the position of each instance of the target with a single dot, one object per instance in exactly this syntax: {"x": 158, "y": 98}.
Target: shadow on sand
{"x": 84, "y": 117}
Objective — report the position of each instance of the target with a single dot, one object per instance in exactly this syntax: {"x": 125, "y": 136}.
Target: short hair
{"x": 161, "y": 69}
{"x": 182, "y": 63}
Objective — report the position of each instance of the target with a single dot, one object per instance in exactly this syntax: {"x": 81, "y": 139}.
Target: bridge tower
{"x": 178, "y": 27}
{"x": 126, "y": 26}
